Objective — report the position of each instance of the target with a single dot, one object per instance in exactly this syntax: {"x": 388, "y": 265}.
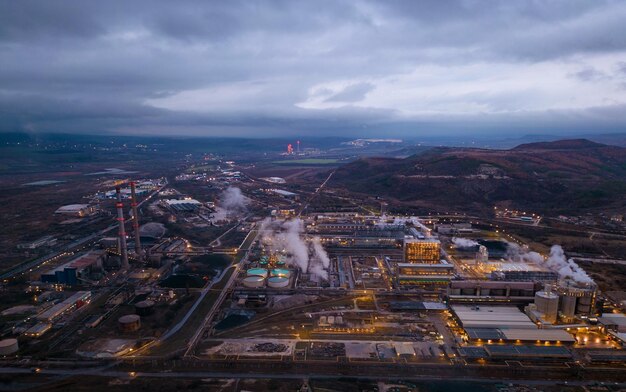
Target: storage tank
{"x": 257, "y": 272}
{"x": 144, "y": 308}
{"x": 277, "y": 282}
{"x": 584, "y": 305}
{"x": 8, "y": 346}
{"x": 129, "y": 323}
{"x": 548, "y": 304}
{"x": 284, "y": 273}
{"x": 568, "y": 306}
{"x": 254, "y": 281}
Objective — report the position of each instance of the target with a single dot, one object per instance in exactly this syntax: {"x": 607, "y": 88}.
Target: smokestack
{"x": 133, "y": 204}
{"x": 298, "y": 142}
{"x": 122, "y": 232}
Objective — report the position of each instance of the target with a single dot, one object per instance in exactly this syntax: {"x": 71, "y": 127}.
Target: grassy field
{"x": 307, "y": 161}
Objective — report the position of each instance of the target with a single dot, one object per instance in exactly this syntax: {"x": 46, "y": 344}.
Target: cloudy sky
{"x": 353, "y": 68}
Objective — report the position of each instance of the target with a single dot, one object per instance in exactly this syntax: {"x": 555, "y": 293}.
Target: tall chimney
{"x": 133, "y": 204}
{"x": 122, "y": 232}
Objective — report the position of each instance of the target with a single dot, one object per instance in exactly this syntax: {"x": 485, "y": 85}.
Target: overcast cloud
{"x": 354, "y": 68}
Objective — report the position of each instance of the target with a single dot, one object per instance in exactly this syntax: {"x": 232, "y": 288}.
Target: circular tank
{"x": 144, "y": 308}
{"x": 285, "y": 273}
{"x": 548, "y": 304}
{"x": 254, "y": 281}
{"x": 129, "y": 323}
{"x": 277, "y": 282}
{"x": 568, "y": 306}
{"x": 257, "y": 272}
{"x": 8, "y": 346}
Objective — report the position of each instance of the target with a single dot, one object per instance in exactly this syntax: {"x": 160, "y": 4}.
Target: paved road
{"x": 105, "y": 372}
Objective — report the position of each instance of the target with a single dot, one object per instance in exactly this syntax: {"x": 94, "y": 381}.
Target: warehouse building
{"x": 72, "y": 272}
{"x": 76, "y": 301}
{"x": 491, "y": 317}
{"x": 78, "y": 210}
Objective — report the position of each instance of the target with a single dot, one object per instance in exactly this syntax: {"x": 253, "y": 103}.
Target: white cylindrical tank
{"x": 8, "y": 346}
{"x": 548, "y": 304}
{"x": 254, "y": 281}
{"x": 277, "y": 282}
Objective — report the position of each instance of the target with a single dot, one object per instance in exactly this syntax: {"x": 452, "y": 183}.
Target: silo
{"x": 548, "y": 304}
{"x": 584, "y": 305}
{"x": 8, "y": 346}
{"x": 277, "y": 282}
{"x": 262, "y": 272}
{"x": 144, "y": 308}
{"x": 568, "y": 305}
{"x": 129, "y": 323}
{"x": 254, "y": 281}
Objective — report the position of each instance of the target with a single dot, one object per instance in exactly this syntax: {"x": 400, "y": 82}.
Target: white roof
{"x": 183, "y": 201}
{"x": 503, "y": 317}
{"x": 551, "y": 335}
{"x": 72, "y": 207}
{"x": 404, "y": 348}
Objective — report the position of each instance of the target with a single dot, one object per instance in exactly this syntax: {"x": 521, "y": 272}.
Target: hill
{"x": 560, "y": 176}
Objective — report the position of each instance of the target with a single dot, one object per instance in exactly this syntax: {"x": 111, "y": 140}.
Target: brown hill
{"x": 554, "y": 176}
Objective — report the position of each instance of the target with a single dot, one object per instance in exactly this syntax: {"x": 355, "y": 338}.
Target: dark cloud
{"x": 324, "y": 67}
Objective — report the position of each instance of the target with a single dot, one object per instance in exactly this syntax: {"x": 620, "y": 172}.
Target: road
{"x": 317, "y": 190}
{"x": 106, "y": 372}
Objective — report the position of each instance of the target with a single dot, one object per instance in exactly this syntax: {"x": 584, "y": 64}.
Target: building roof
{"x": 492, "y": 317}
{"x": 404, "y": 348}
{"x": 550, "y": 335}
{"x": 72, "y": 208}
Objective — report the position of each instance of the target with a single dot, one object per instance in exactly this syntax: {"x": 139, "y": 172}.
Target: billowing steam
{"x": 557, "y": 262}
{"x": 232, "y": 204}
{"x": 288, "y": 238}
{"x": 463, "y": 242}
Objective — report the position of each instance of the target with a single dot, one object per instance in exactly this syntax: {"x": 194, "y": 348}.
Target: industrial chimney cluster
{"x": 122, "y": 247}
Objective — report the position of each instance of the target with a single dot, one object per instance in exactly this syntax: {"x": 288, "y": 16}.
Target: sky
{"x": 313, "y": 68}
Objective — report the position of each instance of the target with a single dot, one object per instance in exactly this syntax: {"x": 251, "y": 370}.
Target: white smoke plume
{"x": 566, "y": 268}
{"x": 463, "y": 242}
{"x": 232, "y": 204}
{"x": 288, "y": 237}
{"x": 556, "y": 261}
{"x": 233, "y": 200}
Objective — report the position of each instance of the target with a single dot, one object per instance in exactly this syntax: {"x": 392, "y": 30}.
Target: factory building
{"x": 504, "y": 324}
{"x": 43, "y": 241}
{"x": 482, "y": 291}
{"x": 72, "y": 272}
{"x": 424, "y": 274}
{"x": 491, "y": 317}
{"x": 420, "y": 251}
{"x": 77, "y": 210}
{"x": 521, "y": 272}
{"x": 76, "y": 301}
{"x": 184, "y": 205}
{"x": 38, "y": 330}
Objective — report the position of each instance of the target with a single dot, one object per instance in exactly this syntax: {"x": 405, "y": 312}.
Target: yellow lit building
{"x": 421, "y": 251}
